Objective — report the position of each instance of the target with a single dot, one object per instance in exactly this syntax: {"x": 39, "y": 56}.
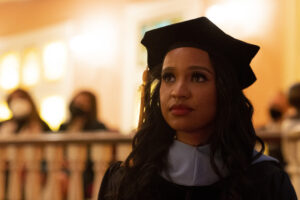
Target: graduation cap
{"x": 203, "y": 34}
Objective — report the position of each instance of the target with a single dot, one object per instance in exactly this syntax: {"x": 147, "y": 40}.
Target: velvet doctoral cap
{"x": 203, "y": 34}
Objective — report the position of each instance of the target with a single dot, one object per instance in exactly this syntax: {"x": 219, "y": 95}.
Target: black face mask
{"x": 275, "y": 113}
{"x": 77, "y": 111}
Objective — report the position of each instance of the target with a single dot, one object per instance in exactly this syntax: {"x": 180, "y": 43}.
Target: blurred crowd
{"x": 83, "y": 118}
{"x": 26, "y": 119}
{"x": 284, "y": 112}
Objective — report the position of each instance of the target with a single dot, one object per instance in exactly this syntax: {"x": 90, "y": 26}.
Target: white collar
{"x": 190, "y": 166}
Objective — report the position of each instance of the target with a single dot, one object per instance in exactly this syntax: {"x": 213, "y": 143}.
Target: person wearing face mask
{"x": 83, "y": 118}
{"x": 83, "y": 114}
{"x": 25, "y": 118}
{"x": 277, "y": 110}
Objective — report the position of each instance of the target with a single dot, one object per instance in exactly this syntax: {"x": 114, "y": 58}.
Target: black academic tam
{"x": 201, "y": 33}
{"x": 265, "y": 181}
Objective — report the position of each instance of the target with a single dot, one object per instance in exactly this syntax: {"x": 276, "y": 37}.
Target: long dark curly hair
{"x": 234, "y": 137}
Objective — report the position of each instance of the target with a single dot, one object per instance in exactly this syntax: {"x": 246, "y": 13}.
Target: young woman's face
{"x": 84, "y": 102}
{"x": 188, "y": 90}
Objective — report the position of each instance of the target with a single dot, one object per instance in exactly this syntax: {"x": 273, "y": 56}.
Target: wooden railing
{"x": 291, "y": 153}
{"x": 23, "y": 177}
{"x": 290, "y": 147}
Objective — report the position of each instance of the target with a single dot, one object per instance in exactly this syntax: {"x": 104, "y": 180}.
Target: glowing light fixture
{"x": 31, "y": 69}
{"x": 9, "y": 71}
{"x": 97, "y": 45}
{"x": 5, "y": 113}
{"x": 55, "y": 60}
{"x": 53, "y": 111}
{"x": 245, "y": 17}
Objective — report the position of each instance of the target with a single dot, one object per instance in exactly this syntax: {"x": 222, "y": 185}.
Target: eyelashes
{"x": 168, "y": 77}
{"x": 197, "y": 77}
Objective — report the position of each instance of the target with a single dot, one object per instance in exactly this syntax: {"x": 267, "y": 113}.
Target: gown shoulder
{"x": 264, "y": 181}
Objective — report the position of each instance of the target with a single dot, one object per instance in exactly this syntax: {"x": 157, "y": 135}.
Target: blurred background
{"x": 54, "y": 48}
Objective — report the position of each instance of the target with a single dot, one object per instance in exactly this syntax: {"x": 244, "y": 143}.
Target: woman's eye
{"x": 168, "y": 77}
{"x": 198, "y": 77}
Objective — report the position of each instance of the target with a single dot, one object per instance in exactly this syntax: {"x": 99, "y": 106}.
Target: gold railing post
{"x": 2, "y": 172}
{"x": 33, "y": 157}
{"x": 54, "y": 158}
{"x": 290, "y": 149}
{"x": 296, "y": 178}
{"x": 16, "y": 166}
{"x": 76, "y": 156}
{"x": 101, "y": 156}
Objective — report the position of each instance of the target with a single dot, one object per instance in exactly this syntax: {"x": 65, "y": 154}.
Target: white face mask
{"x": 20, "y": 108}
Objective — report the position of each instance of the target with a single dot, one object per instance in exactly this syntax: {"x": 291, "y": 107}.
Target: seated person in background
{"x": 25, "y": 119}
{"x": 83, "y": 117}
{"x": 292, "y": 123}
{"x": 83, "y": 114}
{"x": 277, "y": 111}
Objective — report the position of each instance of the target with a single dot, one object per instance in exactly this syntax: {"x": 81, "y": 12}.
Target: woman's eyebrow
{"x": 193, "y": 67}
{"x": 196, "y": 67}
{"x": 168, "y": 69}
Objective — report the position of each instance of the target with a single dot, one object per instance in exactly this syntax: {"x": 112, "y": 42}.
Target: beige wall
{"x": 277, "y": 64}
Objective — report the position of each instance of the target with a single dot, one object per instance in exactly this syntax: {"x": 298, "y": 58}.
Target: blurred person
{"x": 291, "y": 126}
{"x": 277, "y": 111}
{"x": 83, "y": 118}
{"x": 83, "y": 114}
{"x": 292, "y": 122}
{"x": 25, "y": 120}
{"x": 25, "y": 117}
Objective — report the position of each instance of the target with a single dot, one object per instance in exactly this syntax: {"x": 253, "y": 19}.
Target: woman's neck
{"x": 194, "y": 139}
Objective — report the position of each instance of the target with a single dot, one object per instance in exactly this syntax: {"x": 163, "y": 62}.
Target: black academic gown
{"x": 266, "y": 181}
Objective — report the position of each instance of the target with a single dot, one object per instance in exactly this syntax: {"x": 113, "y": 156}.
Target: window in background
{"x": 5, "y": 113}
{"x": 9, "y": 71}
{"x": 55, "y": 57}
{"x": 53, "y": 111}
{"x": 31, "y": 68}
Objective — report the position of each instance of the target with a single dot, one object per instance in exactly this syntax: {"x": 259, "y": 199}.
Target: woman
{"x": 196, "y": 139}
{"x": 292, "y": 123}
{"x": 83, "y": 110}
{"x": 25, "y": 117}
{"x": 25, "y": 121}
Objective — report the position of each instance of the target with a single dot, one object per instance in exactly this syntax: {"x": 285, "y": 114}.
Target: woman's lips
{"x": 180, "y": 110}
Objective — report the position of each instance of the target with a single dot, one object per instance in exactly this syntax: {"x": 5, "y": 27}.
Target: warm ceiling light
{"x": 5, "y": 113}
{"x": 97, "y": 44}
{"x": 55, "y": 60}
{"x": 246, "y": 18}
{"x": 9, "y": 71}
{"x": 53, "y": 111}
{"x": 31, "y": 69}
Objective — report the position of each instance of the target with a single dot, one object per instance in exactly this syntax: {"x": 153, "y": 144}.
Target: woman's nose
{"x": 180, "y": 90}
